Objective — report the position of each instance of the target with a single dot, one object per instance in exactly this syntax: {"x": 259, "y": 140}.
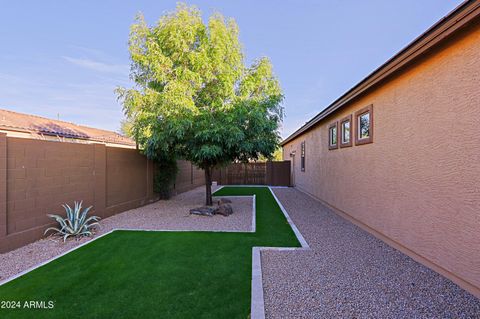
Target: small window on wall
{"x": 346, "y": 131}
{"x": 364, "y": 125}
{"x": 302, "y": 158}
{"x": 333, "y": 136}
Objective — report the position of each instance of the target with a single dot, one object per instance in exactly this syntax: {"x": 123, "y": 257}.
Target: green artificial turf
{"x": 135, "y": 274}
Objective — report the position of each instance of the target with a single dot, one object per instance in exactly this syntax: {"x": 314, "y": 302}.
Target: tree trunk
{"x": 208, "y": 186}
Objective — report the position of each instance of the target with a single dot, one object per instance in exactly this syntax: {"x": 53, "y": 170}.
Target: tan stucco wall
{"x": 417, "y": 186}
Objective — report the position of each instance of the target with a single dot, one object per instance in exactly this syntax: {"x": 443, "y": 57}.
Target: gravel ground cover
{"x": 162, "y": 215}
{"x": 152, "y": 274}
{"x": 349, "y": 273}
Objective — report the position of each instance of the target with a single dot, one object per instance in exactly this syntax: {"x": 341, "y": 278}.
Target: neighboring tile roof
{"x": 14, "y": 121}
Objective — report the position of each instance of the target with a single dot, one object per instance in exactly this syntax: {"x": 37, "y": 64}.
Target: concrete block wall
{"x": 40, "y": 176}
{"x": 188, "y": 177}
{"x": 37, "y": 177}
{"x": 3, "y": 186}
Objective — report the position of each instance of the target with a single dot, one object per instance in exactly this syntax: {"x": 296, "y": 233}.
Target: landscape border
{"x": 252, "y": 230}
{"x": 257, "y": 307}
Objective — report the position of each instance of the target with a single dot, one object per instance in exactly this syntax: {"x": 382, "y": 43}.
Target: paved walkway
{"x": 351, "y": 274}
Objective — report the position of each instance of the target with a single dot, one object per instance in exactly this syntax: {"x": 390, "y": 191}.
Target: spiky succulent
{"x": 76, "y": 223}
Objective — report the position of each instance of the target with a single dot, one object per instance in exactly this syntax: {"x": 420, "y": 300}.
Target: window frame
{"x": 302, "y": 156}
{"x": 369, "y": 139}
{"x": 330, "y": 127}
{"x": 342, "y": 121}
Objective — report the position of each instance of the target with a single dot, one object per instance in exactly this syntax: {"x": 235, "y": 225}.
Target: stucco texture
{"x": 417, "y": 185}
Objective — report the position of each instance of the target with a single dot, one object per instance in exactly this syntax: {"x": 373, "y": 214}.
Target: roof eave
{"x": 455, "y": 20}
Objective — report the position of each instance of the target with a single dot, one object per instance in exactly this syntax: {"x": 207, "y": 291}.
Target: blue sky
{"x": 66, "y": 57}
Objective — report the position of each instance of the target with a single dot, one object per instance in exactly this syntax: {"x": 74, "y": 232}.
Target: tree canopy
{"x": 194, "y": 97}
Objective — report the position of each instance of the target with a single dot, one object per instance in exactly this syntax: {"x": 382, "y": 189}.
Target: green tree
{"x": 194, "y": 97}
{"x": 276, "y": 156}
{"x": 126, "y": 128}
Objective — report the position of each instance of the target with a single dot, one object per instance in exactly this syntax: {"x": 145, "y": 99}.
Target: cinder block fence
{"x": 37, "y": 177}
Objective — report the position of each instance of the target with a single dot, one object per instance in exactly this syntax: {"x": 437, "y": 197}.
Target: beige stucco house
{"x": 399, "y": 153}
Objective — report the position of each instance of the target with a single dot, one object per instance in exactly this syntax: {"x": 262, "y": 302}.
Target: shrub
{"x": 76, "y": 223}
{"x": 165, "y": 175}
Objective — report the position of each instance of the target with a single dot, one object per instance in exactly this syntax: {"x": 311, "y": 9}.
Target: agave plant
{"x": 76, "y": 223}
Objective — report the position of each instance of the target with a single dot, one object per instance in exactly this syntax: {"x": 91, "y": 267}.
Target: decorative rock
{"x": 222, "y": 201}
{"x": 224, "y": 209}
{"x": 203, "y": 211}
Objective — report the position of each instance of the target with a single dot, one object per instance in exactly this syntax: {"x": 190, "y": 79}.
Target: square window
{"x": 364, "y": 122}
{"x": 333, "y": 136}
{"x": 346, "y": 131}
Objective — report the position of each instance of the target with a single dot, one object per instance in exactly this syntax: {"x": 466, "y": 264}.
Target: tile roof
{"x": 14, "y": 121}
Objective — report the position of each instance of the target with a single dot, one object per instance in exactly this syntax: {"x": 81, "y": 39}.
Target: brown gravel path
{"x": 172, "y": 214}
{"x": 349, "y": 273}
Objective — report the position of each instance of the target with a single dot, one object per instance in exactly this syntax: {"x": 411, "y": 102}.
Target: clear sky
{"x": 66, "y": 57}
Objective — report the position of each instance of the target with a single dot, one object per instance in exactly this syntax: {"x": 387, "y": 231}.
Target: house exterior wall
{"x": 417, "y": 186}
{"x": 37, "y": 177}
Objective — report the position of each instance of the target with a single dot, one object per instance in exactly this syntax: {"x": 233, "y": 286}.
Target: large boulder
{"x": 224, "y": 209}
{"x": 222, "y": 201}
{"x": 203, "y": 211}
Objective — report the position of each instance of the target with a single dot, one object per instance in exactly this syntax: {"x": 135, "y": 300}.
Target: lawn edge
{"x": 3, "y": 282}
{"x": 298, "y": 234}
{"x": 257, "y": 307}
{"x": 252, "y": 230}
{"x": 257, "y": 293}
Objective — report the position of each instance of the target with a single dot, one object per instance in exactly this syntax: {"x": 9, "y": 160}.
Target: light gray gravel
{"x": 174, "y": 215}
{"x": 162, "y": 215}
{"x": 349, "y": 273}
